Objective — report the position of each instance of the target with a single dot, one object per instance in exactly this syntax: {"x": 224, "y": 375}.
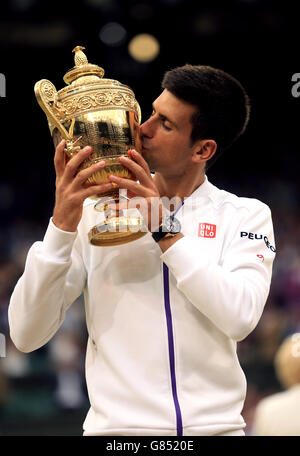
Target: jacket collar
{"x": 205, "y": 190}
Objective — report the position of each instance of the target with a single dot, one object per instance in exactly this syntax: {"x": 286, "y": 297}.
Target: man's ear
{"x": 204, "y": 150}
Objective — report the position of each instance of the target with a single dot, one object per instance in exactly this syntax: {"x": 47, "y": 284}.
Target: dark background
{"x": 254, "y": 40}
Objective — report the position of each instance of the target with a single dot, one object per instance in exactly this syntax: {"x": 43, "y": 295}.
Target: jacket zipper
{"x": 171, "y": 349}
{"x": 171, "y": 343}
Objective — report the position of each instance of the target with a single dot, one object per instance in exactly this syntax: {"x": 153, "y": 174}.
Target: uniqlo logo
{"x": 207, "y": 230}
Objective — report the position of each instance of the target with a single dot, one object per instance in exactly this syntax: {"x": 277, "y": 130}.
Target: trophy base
{"x": 117, "y": 231}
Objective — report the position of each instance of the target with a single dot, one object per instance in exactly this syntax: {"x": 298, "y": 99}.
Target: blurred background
{"x": 44, "y": 393}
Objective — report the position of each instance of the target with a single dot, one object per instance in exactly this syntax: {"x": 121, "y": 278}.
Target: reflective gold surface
{"x": 101, "y": 113}
{"x": 105, "y": 233}
{"x": 110, "y": 133}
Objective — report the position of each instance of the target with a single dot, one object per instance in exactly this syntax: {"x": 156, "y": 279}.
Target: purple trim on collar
{"x": 171, "y": 348}
{"x": 179, "y": 207}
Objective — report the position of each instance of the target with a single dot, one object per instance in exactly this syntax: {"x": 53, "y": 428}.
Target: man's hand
{"x": 71, "y": 188}
{"x": 144, "y": 190}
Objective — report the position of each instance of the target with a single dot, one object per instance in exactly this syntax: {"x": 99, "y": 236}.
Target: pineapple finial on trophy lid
{"x": 83, "y": 70}
{"x": 80, "y": 57}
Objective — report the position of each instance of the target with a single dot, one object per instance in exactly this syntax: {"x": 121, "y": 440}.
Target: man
{"x": 164, "y": 313}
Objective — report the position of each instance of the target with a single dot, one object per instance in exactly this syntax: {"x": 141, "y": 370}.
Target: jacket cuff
{"x": 57, "y": 243}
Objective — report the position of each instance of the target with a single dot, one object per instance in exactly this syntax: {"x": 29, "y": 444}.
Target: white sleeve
{"x": 54, "y": 276}
{"x": 232, "y": 293}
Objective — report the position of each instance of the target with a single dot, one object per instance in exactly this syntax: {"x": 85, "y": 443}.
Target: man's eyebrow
{"x": 163, "y": 117}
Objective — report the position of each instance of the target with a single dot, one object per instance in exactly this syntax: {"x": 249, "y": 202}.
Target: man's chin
{"x": 148, "y": 159}
{"x": 150, "y": 164}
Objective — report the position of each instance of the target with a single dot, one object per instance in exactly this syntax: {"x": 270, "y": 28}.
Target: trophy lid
{"x": 82, "y": 69}
{"x": 86, "y": 90}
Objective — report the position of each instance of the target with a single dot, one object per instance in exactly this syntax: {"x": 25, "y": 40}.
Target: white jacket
{"x": 163, "y": 327}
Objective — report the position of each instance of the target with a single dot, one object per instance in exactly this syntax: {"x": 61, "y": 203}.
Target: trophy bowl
{"x": 104, "y": 114}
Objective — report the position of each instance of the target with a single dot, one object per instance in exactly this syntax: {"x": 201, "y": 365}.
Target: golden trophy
{"x": 104, "y": 114}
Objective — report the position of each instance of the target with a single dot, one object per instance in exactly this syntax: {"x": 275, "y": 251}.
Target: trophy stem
{"x": 118, "y": 227}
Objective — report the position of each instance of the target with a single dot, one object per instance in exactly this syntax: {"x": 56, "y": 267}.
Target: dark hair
{"x": 222, "y": 102}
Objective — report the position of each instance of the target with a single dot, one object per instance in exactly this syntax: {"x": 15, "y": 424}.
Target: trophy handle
{"x": 46, "y": 93}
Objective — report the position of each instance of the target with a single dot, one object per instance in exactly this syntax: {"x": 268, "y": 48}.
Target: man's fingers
{"x": 59, "y": 158}
{"x": 73, "y": 164}
{"x": 97, "y": 190}
{"x": 141, "y": 174}
{"x": 84, "y": 174}
{"x": 134, "y": 187}
{"x": 137, "y": 157}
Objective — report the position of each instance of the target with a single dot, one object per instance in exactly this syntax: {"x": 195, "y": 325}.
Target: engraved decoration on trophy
{"x": 104, "y": 114}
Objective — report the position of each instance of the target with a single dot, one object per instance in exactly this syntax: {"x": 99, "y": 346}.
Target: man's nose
{"x": 146, "y": 129}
